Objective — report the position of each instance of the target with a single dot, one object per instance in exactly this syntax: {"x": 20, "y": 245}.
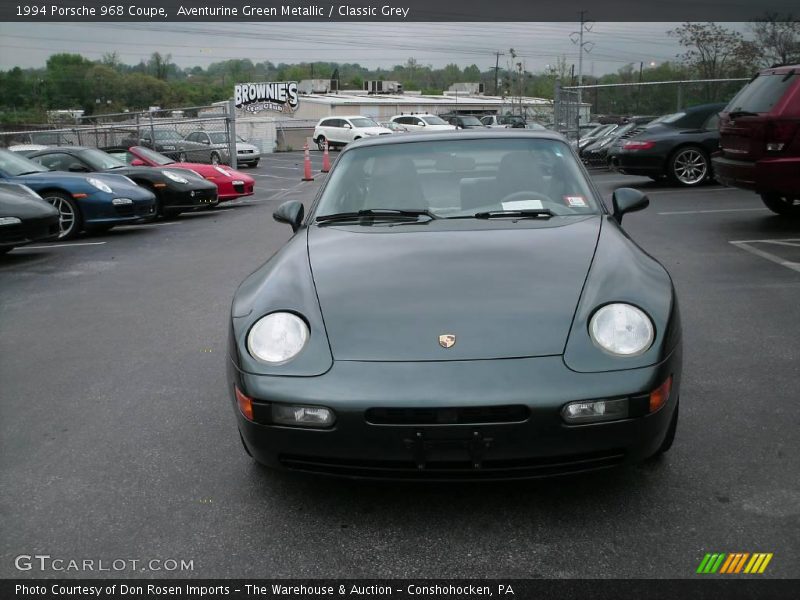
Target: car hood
{"x": 244, "y": 146}
{"x": 502, "y": 289}
{"x": 21, "y": 204}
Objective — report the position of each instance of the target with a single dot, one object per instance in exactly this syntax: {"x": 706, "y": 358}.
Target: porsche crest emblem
{"x": 447, "y": 340}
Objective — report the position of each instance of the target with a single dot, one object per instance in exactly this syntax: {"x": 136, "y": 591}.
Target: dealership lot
{"x": 119, "y": 441}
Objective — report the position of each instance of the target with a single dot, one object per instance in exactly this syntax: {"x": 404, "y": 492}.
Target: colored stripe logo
{"x": 734, "y": 563}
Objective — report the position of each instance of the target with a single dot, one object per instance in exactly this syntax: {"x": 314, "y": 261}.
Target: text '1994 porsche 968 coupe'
{"x": 456, "y": 306}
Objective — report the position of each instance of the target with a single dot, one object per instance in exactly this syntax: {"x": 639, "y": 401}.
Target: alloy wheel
{"x": 66, "y": 215}
{"x": 690, "y": 166}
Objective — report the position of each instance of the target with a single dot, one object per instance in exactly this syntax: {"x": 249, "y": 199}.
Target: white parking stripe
{"x": 745, "y": 245}
{"x": 61, "y": 245}
{"x": 719, "y": 210}
{"x": 274, "y": 176}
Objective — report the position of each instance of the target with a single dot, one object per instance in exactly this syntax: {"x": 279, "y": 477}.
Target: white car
{"x": 340, "y": 131}
{"x": 423, "y": 121}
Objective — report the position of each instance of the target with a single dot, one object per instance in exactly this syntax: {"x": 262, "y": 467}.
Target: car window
{"x": 434, "y": 120}
{"x": 164, "y": 135}
{"x": 13, "y": 164}
{"x": 712, "y": 123}
{"x": 362, "y": 122}
{"x": 460, "y": 177}
{"x": 761, "y": 94}
{"x": 218, "y": 137}
{"x": 470, "y": 120}
{"x": 99, "y": 160}
{"x": 58, "y": 161}
{"x": 192, "y": 137}
{"x": 487, "y": 120}
{"x": 326, "y": 123}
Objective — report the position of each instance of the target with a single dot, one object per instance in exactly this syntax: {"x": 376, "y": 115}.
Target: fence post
{"x": 680, "y": 97}
{"x": 152, "y": 132}
{"x": 231, "y": 127}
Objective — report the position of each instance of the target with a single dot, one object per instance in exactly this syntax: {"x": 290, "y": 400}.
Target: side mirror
{"x": 290, "y": 212}
{"x": 348, "y": 126}
{"x": 421, "y": 123}
{"x": 137, "y": 162}
{"x": 627, "y": 200}
{"x": 204, "y": 141}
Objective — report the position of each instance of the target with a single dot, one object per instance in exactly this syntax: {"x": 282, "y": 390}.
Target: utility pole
{"x": 497, "y": 56}
{"x": 577, "y": 38}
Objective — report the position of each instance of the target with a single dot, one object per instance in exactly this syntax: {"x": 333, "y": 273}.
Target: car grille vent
{"x": 448, "y": 416}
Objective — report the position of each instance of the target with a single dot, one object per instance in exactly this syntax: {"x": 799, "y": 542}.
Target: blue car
{"x": 95, "y": 202}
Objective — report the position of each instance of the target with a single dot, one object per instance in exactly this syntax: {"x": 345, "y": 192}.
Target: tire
{"x": 181, "y": 156}
{"x": 782, "y": 205}
{"x": 254, "y": 164}
{"x": 670, "y": 437}
{"x": 321, "y": 143}
{"x": 689, "y": 166}
{"x": 70, "y": 221}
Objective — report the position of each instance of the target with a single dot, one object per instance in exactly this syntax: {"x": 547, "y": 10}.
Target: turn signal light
{"x": 660, "y": 395}
{"x": 245, "y": 403}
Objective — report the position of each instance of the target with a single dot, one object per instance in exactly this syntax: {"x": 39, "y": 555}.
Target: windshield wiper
{"x": 381, "y": 213}
{"x": 528, "y": 213}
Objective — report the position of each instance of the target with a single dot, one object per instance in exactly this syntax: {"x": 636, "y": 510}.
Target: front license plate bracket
{"x": 475, "y": 446}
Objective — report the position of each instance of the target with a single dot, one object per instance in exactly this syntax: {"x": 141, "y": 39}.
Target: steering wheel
{"x": 526, "y": 195}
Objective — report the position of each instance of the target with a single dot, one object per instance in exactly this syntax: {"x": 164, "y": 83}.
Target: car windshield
{"x": 470, "y": 120}
{"x": 459, "y": 178}
{"x": 167, "y": 135}
{"x": 761, "y": 94}
{"x": 218, "y": 137}
{"x": 153, "y": 156}
{"x": 434, "y": 120}
{"x": 100, "y": 161}
{"x": 363, "y": 122}
{"x": 14, "y": 165}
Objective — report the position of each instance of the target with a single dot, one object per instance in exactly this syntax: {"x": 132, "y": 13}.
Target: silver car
{"x": 246, "y": 154}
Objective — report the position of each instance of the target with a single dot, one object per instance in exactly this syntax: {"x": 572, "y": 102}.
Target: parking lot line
{"x": 273, "y": 176}
{"x": 689, "y": 191}
{"x": 746, "y": 245}
{"x": 48, "y": 246}
{"x": 717, "y": 210}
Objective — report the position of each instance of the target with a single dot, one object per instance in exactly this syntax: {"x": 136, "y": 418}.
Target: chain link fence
{"x": 198, "y": 134}
{"x": 619, "y": 100}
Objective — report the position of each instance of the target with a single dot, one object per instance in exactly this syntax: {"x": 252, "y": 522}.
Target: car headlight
{"x": 175, "y": 177}
{"x": 100, "y": 185}
{"x": 621, "y": 329}
{"x": 277, "y": 337}
{"x": 10, "y": 221}
{"x": 223, "y": 171}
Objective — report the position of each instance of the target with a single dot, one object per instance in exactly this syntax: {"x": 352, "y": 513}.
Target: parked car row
{"x": 342, "y": 130}
{"x": 198, "y": 146}
{"x": 92, "y": 190}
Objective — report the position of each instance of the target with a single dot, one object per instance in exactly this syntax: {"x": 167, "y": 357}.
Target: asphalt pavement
{"x": 118, "y": 439}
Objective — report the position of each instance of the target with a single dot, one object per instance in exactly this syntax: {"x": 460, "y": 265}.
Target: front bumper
{"x": 236, "y": 189}
{"x": 191, "y": 199}
{"x": 99, "y": 209}
{"x": 770, "y": 175}
{"x": 30, "y": 230}
{"x": 512, "y": 428}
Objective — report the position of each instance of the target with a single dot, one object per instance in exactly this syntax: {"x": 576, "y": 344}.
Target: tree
{"x": 713, "y": 52}
{"x": 159, "y": 65}
{"x": 777, "y": 39}
{"x": 66, "y": 81}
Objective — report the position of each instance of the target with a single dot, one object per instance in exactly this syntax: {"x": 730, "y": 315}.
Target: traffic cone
{"x": 307, "y": 165}
{"x": 326, "y": 161}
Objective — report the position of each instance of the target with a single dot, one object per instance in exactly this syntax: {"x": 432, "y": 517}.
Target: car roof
{"x": 438, "y": 136}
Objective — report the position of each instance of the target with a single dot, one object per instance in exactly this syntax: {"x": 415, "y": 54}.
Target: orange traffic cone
{"x": 326, "y": 161}
{"x": 307, "y": 165}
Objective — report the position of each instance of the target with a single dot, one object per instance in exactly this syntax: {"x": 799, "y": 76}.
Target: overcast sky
{"x": 369, "y": 44}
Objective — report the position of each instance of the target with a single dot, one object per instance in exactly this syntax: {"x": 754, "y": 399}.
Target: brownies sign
{"x": 276, "y": 96}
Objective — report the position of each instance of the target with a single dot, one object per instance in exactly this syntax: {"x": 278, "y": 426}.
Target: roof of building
{"x": 344, "y": 98}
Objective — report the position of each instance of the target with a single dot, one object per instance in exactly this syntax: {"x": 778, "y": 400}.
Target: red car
{"x": 760, "y": 139}
{"x": 230, "y": 184}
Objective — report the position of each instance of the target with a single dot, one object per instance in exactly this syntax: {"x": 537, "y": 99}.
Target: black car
{"x": 24, "y": 217}
{"x": 595, "y": 154}
{"x": 176, "y": 190}
{"x": 464, "y": 121}
{"x": 456, "y": 307}
{"x": 678, "y": 146}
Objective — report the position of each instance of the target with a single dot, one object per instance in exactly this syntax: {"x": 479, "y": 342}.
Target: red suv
{"x": 760, "y": 139}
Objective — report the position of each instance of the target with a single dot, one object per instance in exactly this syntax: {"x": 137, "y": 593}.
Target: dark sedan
{"x": 456, "y": 307}
{"x": 172, "y": 144}
{"x": 678, "y": 147}
{"x": 176, "y": 190}
{"x": 596, "y": 153}
{"x": 24, "y": 217}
